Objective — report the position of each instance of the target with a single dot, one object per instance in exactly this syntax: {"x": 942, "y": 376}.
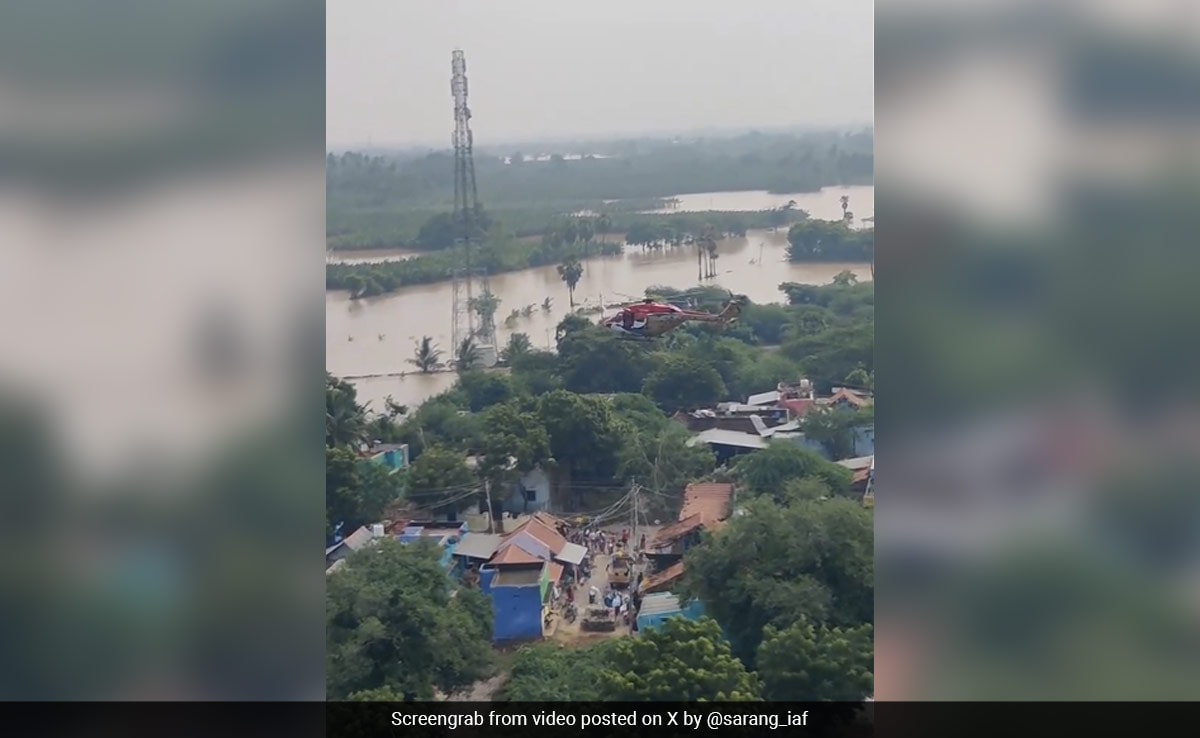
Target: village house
{"x": 518, "y": 571}
{"x": 733, "y": 429}
{"x": 706, "y": 506}
{"x": 528, "y": 493}
{"x": 394, "y": 456}
{"x": 446, "y": 535}
{"x": 356, "y": 541}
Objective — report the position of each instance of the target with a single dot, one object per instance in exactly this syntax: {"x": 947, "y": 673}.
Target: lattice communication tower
{"x": 467, "y": 217}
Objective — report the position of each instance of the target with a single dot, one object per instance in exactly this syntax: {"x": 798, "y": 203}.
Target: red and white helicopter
{"x": 650, "y": 319}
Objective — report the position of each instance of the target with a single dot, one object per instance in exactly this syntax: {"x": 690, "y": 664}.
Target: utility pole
{"x": 635, "y": 493}
{"x": 487, "y": 490}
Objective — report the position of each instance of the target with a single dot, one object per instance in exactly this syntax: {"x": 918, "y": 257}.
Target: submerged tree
{"x": 518, "y": 343}
{"x": 485, "y": 306}
{"x": 571, "y": 271}
{"x": 427, "y": 357}
{"x": 468, "y": 355}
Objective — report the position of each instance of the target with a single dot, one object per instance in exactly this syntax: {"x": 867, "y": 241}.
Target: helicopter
{"x": 649, "y": 319}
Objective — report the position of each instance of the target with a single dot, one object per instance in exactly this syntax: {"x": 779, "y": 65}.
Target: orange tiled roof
{"x": 663, "y": 579}
{"x": 514, "y": 555}
{"x": 547, "y": 519}
{"x": 675, "y": 531}
{"x": 849, "y": 396}
{"x": 544, "y": 533}
{"x": 710, "y": 500}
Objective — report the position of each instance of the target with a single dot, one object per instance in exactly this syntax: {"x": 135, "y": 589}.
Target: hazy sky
{"x": 591, "y": 67}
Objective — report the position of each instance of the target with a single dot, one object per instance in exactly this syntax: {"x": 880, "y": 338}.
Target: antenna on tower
{"x": 467, "y": 220}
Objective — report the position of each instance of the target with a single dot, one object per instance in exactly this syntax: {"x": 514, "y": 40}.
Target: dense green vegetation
{"x": 830, "y": 240}
{"x": 365, "y": 280}
{"x": 595, "y": 414}
{"x": 395, "y": 622}
{"x": 377, "y": 202}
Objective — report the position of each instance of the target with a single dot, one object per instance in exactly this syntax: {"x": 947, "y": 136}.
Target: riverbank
{"x": 649, "y": 231}
{"x": 371, "y": 279}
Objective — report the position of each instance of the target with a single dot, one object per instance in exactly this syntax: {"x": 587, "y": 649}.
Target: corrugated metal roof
{"x": 723, "y": 437}
{"x": 530, "y": 543}
{"x": 478, "y": 545}
{"x": 664, "y": 578}
{"x": 673, "y": 532}
{"x": 763, "y": 398}
{"x": 556, "y": 571}
{"x": 572, "y": 553}
{"x": 358, "y": 538}
{"x": 659, "y": 603}
{"x": 859, "y": 462}
{"x": 544, "y": 533}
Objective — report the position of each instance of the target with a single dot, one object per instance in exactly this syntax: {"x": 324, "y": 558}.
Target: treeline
{"x": 830, "y": 240}
{"x": 781, "y": 163}
{"x": 581, "y": 237}
{"x": 378, "y": 202}
{"x": 367, "y": 280}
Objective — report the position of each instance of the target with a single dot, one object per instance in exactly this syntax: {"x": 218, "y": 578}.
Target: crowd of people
{"x": 623, "y": 603}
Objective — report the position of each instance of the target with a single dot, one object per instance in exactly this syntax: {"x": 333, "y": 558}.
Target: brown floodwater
{"x": 371, "y": 340}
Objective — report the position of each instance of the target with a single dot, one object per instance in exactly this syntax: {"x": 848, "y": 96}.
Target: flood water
{"x": 370, "y": 341}
{"x": 823, "y": 205}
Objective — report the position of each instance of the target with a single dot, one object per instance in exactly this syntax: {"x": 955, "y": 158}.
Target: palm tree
{"x": 427, "y": 357}
{"x": 571, "y": 271}
{"x": 586, "y": 229}
{"x": 344, "y": 423}
{"x": 547, "y": 303}
{"x": 603, "y": 225}
{"x": 468, "y": 355}
{"x": 518, "y": 343}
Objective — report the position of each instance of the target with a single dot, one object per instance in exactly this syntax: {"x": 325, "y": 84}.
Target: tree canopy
{"x": 684, "y": 661}
{"x": 775, "y": 564}
{"x": 395, "y": 621}
{"x": 817, "y": 663}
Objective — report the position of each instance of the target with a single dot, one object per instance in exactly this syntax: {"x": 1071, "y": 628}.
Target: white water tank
{"x": 377, "y": 530}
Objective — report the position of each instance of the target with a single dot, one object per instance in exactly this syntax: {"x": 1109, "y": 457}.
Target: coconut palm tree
{"x": 468, "y": 355}
{"x": 344, "y": 424}
{"x": 571, "y": 271}
{"x": 518, "y": 343}
{"x": 427, "y": 357}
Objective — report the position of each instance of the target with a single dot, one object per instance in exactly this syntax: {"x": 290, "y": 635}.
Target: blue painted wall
{"x": 864, "y": 440}
{"x": 693, "y": 611}
{"x": 518, "y": 612}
